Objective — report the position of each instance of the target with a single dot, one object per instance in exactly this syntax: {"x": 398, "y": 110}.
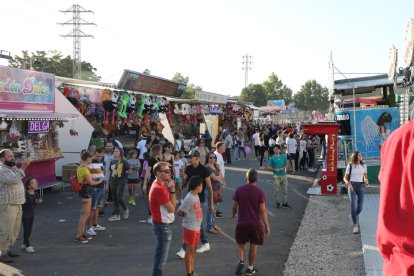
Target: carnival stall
{"x": 28, "y": 121}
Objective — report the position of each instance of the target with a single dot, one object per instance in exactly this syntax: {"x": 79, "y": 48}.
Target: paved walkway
{"x": 368, "y": 220}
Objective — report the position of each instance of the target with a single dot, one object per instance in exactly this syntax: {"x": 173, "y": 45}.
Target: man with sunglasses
{"x": 162, "y": 203}
{"x": 195, "y": 168}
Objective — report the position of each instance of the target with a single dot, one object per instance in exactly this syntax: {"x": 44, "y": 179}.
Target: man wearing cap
{"x": 195, "y": 168}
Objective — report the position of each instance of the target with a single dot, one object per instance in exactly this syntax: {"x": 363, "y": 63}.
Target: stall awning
{"x": 37, "y": 116}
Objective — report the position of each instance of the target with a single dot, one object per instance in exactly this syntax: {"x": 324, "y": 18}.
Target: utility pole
{"x": 77, "y": 34}
{"x": 247, "y": 62}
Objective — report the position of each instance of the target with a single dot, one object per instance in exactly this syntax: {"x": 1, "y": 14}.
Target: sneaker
{"x": 130, "y": 201}
{"x": 30, "y": 249}
{"x": 278, "y": 205}
{"x": 98, "y": 228}
{"x": 181, "y": 254}
{"x": 219, "y": 214}
{"x": 149, "y": 220}
{"x": 286, "y": 206}
{"x": 5, "y": 259}
{"x": 90, "y": 232}
{"x": 252, "y": 271}
{"x": 239, "y": 268}
{"x": 125, "y": 214}
{"x": 355, "y": 230}
{"x": 204, "y": 248}
{"x": 114, "y": 218}
{"x": 81, "y": 239}
{"x": 86, "y": 236}
{"x": 133, "y": 203}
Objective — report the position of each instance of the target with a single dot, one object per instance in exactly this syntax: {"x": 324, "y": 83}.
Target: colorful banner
{"x": 138, "y": 82}
{"x": 23, "y": 90}
{"x": 373, "y": 126}
{"x": 276, "y": 103}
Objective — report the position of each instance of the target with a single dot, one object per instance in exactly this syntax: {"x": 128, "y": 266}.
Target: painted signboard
{"x": 38, "y": 126}
{"x": 275, "y": 103}
{"x": 138, "y": 82}
{"x": 26, "y": 90}
{"x": 372, "y": 127}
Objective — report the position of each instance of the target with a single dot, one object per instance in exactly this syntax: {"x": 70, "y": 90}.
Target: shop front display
{"x": 28, "y": 122}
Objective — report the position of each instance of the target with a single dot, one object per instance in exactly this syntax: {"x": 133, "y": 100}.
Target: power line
{"x": 77, "y": 34}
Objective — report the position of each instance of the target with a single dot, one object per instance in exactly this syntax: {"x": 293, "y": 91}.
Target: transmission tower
{"x": 77, "y": 34}
{"x": 247, "y": 62}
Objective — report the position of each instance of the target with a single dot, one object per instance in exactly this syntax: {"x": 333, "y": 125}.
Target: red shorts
{"x": 191, "y": 237}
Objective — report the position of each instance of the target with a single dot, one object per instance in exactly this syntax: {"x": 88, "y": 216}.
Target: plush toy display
{"x": 110, "y": 105}
{"x": 141, "y": 106}
{"x": 123, "y": 105}
{"x": 185, "y": 109}
{"x": 177, "y": 109}
{"x": 148, "y": 105}
{"x": 162, "y": 108}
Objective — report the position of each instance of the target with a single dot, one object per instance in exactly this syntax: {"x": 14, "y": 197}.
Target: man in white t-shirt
{"x": 255, "y": 139}
{"x": 141, "y": 147}
{"x": 220, "y": 149}
{"x": 291, "y": 145}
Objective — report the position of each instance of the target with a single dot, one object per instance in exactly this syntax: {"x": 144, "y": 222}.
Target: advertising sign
{"x": 26, "y": 90}
{"x": 203, "y": 96}
{"x": 138, "y": 82}
{"x": 344, "y": 119}
{"x": 38, "y": 126}
{"x": 373, "y": 126}
{"x": 275, "y": 103}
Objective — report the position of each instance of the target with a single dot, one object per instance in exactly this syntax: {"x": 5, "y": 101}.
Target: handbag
{"x": 74, "y": 183}
{"x": 217, "y": 196}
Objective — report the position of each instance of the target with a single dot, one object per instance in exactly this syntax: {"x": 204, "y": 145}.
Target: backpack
{"x": 74, "y": 183}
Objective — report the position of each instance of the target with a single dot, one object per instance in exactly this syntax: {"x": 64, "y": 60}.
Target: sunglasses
{"x": 212, "y": 157}
{"x": 166, "y": 171}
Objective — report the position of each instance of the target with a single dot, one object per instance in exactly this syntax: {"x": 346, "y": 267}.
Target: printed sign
{"x": 138, "y": 82}
{"x": 38, "y": 126}
{"x": 203, "y": 96}
{"x": 26, "y": 90}
{"x": 344, "y": 119}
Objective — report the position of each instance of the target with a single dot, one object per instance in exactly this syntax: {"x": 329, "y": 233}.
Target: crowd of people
{"x": 161, "y": 171}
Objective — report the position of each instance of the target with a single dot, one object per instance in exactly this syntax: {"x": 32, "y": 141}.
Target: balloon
{"x": 248, "y": 150}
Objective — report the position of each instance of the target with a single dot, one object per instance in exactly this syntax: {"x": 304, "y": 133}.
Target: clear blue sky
{"x": 206, "y": 40}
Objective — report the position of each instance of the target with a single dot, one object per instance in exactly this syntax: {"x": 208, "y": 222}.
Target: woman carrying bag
{"x": 356, "y": 178}
{"x": 216, "y": 181}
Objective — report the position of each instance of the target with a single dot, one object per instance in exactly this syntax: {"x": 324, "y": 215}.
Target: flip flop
{"x": 212, "y": 231}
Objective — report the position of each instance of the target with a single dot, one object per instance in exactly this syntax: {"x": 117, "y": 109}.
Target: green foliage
{"x": 191, "y": 89}
{"x": 53, "y": 62}
{"x": 312, "y": 96}
{"x": 276, "y": 90}
{"x": 271, "y": 89}
{"x": 254, "y": 93}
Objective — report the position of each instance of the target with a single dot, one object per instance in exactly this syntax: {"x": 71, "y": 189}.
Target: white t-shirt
{"x": 220, "y": 162}
{"x": 272, "y": 142}
{"x": 255, "y": 138}
{"x": 291, "y": 145}
{"x": 357, "y": 174}
{"x": 303, "y": 144}
{"x": 142, "y": 148}
{"x": 177, "y": 145}
{"x": 178, "y": 164}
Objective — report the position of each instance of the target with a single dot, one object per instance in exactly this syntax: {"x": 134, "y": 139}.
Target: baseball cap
{"x": 194, "y": 153}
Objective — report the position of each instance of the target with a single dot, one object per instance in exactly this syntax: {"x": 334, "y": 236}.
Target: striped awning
{"x": 37, "y": 116}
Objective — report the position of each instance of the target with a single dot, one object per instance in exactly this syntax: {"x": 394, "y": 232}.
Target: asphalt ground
{"x": 126, "y": 247}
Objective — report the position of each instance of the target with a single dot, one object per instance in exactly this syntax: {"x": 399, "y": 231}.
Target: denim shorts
{"x": 97, "y": 196}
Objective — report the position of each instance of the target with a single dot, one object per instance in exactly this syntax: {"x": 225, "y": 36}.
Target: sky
{"x": 206, "y": 40}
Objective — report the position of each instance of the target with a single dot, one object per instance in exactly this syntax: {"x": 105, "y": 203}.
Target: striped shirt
{"x": 11, "y": 185}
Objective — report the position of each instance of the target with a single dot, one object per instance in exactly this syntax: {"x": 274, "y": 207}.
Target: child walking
{"x": 190, "y": 209}
{"x": 32, "y": 198}
{"x": 133, "y": 178}
{"x": 143, "y": 172}
{"x": 179, "y": 172}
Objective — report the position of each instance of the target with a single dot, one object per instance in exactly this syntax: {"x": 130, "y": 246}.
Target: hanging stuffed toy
{"x": 177, "y": 109}
{"x": 198, "y": 109}
{"x": 156, "y": 105}
{"x": 185, "y": 109}
{"x": 162, "y": 105}
{"x": 148, "y": 105}
{"x": 123, "y": 104}
{"x": 141, "y": 105}
{"x": 193, "y": 110}
{"x": 66, "y": 91}
{"x": 110, "y": 105}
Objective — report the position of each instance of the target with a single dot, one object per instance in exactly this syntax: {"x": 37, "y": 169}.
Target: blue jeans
{"x": 356, "y": 204}
{"x": 236, "y": 153}
{"x": 162, "y": 234}
{"x": 209, "y": 216}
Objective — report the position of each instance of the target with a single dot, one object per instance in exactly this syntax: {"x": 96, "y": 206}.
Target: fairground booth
{"x": 368, "y": 111}
{"x": 29, "y": 123}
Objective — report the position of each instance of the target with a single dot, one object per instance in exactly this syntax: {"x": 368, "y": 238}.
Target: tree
{"x": 191, "y": 90}
{"x": 276, "y": 90}
{"x": 53, "y": 62}
{"x": 312, "y": 96}
{"x": 254, "y": 93}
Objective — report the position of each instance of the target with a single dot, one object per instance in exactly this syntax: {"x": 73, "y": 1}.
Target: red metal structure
{"x": 328, "y": 181}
